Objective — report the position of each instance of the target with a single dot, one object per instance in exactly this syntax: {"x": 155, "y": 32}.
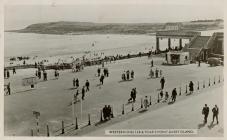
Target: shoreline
{"x": 151, "y": 33}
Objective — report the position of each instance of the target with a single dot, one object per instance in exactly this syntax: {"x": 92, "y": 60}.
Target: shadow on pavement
{"x": 201, "y": 125}
{"x": 212, "y": 125}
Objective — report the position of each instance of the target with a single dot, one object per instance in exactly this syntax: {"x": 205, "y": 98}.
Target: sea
{"x": 65, "y": 48}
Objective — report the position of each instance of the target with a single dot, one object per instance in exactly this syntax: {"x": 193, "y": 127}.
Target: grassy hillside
{"x": 64, "y": 27}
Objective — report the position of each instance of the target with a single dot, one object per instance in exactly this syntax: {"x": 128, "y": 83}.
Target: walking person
{"x": 8, "y": 74}
{"x": 102, "y": 79}
{"x": 44, "y": 75}
{"x": 83, "y": 93}
{"x": 77, "y": 83}
{"x": 74, "y": 82}
{"x": 56, "y": 74}
{"x": 132, "y": 74}
{"x": 14, "y": 70}
{"x": 156, "y": 73}
{"x": 87, "y": 84}
{"x": 160, "y": 73}
{"x": 131, "y": 96}
{"x": 127, "y": 74}
{"x": 9, "y": 89}
{"x": 99, "y": 71}
{"x": 5, "y": 73}
{"x": 174, "y": 95}
{"x": 215, "y": 111}
{"x": 152, "y": 63}
{"x": 162, "y": 81}
{"x": 134, "y": 94}
{"x": 39, "y": 74}
{"x": 146, "y": 104}
{"x": 205, "y": 112}
{"x": 191, "y": 87}
{"x": 166, "y": 96}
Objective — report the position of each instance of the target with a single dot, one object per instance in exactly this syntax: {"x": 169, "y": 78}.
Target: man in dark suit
{"x": 205, "y": 112}
{"x": 215, "y": 111}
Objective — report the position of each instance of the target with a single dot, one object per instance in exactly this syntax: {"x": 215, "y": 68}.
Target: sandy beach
{"x": 52, "y": 98}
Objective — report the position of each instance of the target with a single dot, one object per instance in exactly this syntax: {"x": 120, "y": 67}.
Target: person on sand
{"x": 77, "y": 83}
{"x": 161, "y": 94}
{"x": 162, "y": 81}
{"x": 56, "y": 74}
{"x": 74, "y": 82}
{"x": 205, "y": 112}
{"x": 39, "y": 74}
{"x": 146, "y": 104}
{"x": 36, "y": 73}
{"x": 132, "y": 74}
{"x": 14, "y": 70}
{"x": 131, "y": 96}
{"x": 87, "y": 84}
{"x": 156, "y": 73}
{"x": 7, "y": 74}
{"x": 134, "y": 94}
{"x": 102, "y": 79}
{"x": 160, "y": 73}
{"x": 127, "y": 73}
{"x": 174, "y": 95}
{"x": 152, "y": 63}
{"x": 215, "y": 111}
{"x": 9, "y": 89}
{"x": 44, "y": 75}
{"x": 191, "y": 87}
{"x": 104, "y": 111}
{"x": 108, "y": 112}
{"x": 99, "y": 71}
{"x": 166, "y": 96}
{"x": 83, "y": 93}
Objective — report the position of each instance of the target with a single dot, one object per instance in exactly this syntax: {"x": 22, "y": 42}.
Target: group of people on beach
{"x": 107, "y": 112}
{"x": 126, "y": 75}
{"x": 6, "y": 74}
{"x": 205, "y": 112}
{"x": 105, "y": 72}
{"x": 155, "y": 73}
{"x": 38, "y": 73}
{"x": 84, "y": 89}
{"x": 132, "y": 95}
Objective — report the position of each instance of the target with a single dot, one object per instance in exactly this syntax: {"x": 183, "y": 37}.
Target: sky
{"x": 18, "y": 16}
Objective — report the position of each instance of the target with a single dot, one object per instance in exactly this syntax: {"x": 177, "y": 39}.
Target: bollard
{"x": 186, "y": 90}
{"x": 62, "y": 127}
{"x": 209, "y": 82}
{"x": 31, "y": 132}
{"x": 214, "y": 80}
{"x": 123, "y": 110}
{"x": 89, "y": 119}
{"x": 219, "y": 79}
{"x": 180, "y": 91}
{"x": 203, "y": 84}
{"x": 198, "y": 86}
{"x": 48, "y": 133}
{"x": 76, "y": 126}
{"x": 141, "y": 103}
{"x": 150, "y": 100}
{"x": 132, "y": 106}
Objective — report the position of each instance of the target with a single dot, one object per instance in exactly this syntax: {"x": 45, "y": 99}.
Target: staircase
{"x": 194, "y": 48}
